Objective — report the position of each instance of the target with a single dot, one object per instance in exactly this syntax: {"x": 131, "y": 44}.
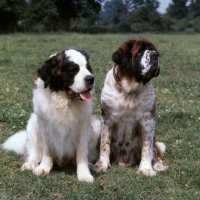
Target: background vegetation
{"x": 178, "y": 118}
{"x": 98, "y": 16}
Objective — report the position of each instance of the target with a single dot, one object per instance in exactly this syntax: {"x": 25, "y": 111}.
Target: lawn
{"x": 178, "y": 118}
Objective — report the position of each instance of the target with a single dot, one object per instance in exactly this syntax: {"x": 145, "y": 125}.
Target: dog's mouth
{"x": 83, "y": 96}
{"x": 125, "y": 161}
{"x": 128, "y": 159}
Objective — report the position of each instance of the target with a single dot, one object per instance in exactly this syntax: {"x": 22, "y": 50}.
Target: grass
{"x": 178, "y": 118}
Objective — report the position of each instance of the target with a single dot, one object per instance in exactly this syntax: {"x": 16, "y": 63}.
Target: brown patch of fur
{"x": 35, "y": 77}
{"x": 102, "y": 111}
{"x": 131, "y": 48}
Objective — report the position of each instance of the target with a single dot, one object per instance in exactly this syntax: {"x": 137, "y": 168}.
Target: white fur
{"x": 59, "y": 128}
{"x": 129, "y": 108}
{"x": 77, "y": 57}
{"x": 132, "y": 104}
{"x": 145, "y": 61}
{"x": 16, "y": 142}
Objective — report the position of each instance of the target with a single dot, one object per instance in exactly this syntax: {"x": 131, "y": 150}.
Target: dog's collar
{"x": 115, "y": 76}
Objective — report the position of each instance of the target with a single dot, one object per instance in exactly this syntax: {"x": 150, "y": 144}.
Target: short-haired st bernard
{"x": 61, "y": 128}
{"x": 128, "y": 110}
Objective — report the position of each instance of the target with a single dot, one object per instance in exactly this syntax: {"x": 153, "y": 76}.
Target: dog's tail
{"x": 157, "y": 161}
{"x": 16, "y": 142}
{"x": 160, "y": 147}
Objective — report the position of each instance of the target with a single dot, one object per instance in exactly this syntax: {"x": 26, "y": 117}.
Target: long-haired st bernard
{"x": 61, "y": 128}
{"x": 128, "y": 110}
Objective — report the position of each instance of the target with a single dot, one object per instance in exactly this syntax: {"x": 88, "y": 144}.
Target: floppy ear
{"x": 48, "y": 69}
{"x": 123, "y": 56}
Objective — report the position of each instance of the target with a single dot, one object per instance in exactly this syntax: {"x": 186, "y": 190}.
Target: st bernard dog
{"x": 61, "y": 128}
{"x": 128, "y": 110}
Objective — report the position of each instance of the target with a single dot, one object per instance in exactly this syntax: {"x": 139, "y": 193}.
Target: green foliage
{"x": 178, "y": 9}
{"x": 11, "y": 11}
{"x": 44, "y": 15}
{"x": 88, "y": 16}
{"x": 194, "y": 8}
{"x": 151, "y": 4}
{"x": 177, "y": 122}
{"x": 114, "y": 11}
{"x": 144, "y": 17}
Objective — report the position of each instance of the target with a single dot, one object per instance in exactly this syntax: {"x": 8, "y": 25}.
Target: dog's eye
{"x": 139, "y": 53}
{"x": 73, "y": 68}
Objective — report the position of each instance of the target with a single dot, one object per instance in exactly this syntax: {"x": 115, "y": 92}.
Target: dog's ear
{"x": 123, "y": 56}
{"x": 48, "y": 69}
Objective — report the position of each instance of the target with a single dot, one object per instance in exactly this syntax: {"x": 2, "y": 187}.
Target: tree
{"x": 194, "y": 8}
{"x": 11, "y": 11}
{"x": 114, "y": 11}
{"x": 41, "y": 15}
{"x": 151, "y": 4}
{"x": 145, "y": 17}
{"x": 178, "y": 9}
{"x": 71, "y": 9}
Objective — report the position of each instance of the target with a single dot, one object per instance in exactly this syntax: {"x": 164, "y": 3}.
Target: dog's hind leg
{"x": 44, "y": 150}
{"x": 94, "y": 139}
{"x": 104, "y": 160}
{"x": 33, "y": 145}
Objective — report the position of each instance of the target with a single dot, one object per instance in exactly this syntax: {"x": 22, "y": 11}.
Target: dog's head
{"x": 137, "y": 59}
{"x": 70, "y": 71}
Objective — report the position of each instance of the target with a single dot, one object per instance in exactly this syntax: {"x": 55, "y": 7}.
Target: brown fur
{"x": 128, "y": 110}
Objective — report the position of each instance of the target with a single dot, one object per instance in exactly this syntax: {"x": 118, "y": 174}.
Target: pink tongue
{"x": 86, "y": 96}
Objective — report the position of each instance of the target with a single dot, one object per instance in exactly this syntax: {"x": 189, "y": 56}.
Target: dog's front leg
{"x": 46, "y": 163}
{"x": 148, "y": 130}
{"x": 83, "y": 171}
{"x": 104, "y": 160}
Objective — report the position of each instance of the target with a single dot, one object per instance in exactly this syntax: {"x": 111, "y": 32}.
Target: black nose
{"x": 153, "y": 55}
{"x": 89, "y": 79}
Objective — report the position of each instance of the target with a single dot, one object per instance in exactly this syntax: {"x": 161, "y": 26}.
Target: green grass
{"x": 178, "y": 118}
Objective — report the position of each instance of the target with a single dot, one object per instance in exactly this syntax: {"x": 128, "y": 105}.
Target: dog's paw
{"x": 146, "y": 172}
{"x": 85, "y": 178}
{"x": 159, "y": 167}
{"x": 99, "y": 166}
{"x": 31, "y": 165}
{"x": 42, "y": 170}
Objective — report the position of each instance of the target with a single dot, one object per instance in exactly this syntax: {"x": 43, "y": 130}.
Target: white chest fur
{"x": 122, "y": 106}
{"x": 62, "y": 119}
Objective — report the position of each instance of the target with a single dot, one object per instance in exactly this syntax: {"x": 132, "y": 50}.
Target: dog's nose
{"x": 89, "y": 79}
{"x": 153, "y": 55}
